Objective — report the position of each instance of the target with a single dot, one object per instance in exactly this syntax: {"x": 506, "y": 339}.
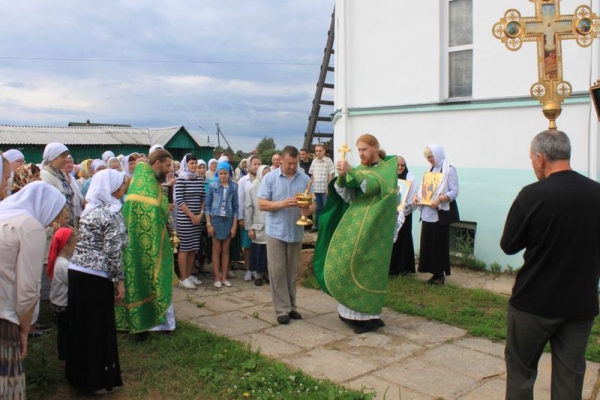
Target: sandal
{"x": 436, "y": 281}
{"x": 35, "y": 334}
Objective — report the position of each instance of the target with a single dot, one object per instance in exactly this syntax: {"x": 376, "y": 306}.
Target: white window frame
{"x": 446, "y": 50}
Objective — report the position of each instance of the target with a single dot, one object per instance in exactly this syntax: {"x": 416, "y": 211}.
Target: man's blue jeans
{"x": 320, "y": 200}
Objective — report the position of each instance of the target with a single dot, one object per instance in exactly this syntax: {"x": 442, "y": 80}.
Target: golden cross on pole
{"x": 548, "y": 28}
{"x": 344, "y": 149}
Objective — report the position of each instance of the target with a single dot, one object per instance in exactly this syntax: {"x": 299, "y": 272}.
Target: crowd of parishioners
{"x": 66, "y": 230}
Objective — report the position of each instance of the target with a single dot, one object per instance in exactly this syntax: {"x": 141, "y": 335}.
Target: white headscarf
{"x": 103, "y": 185}
{"x": 155, "y": 147}
{"x": 202, "y": 162}
{"x": 125, "y": 165}
{"x": 212, "y": 160}
{"x": 97, "y": 163}
{"x": 223, "y": 158}
{"x": 106, "y": 155}
{"x": 13, "y": 155}
{"x": 115, "y": 159}
{"x": 260, "y": 173}
{"x": 184, "y": 170}
{"x": 37, "y": 199}
{"x": 52, "y": 151}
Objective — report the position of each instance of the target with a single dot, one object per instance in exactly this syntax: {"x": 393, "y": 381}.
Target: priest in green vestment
{"x": 148, "y": 258}
{"x": 356, "y": 231}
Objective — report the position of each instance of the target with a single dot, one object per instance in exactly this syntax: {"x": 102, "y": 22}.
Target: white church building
{"x": 415, "y": 73}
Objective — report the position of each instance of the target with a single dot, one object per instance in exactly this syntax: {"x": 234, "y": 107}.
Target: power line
{"x": 157, "y": 61}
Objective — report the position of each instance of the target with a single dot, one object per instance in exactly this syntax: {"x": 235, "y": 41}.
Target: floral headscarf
{"x": 23, "y": 176}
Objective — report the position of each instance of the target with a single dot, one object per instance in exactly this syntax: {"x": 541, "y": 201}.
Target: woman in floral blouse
{"x": 95, "y": 284}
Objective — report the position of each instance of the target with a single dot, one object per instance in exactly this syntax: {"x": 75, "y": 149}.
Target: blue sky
{"x": 251, "y": 66}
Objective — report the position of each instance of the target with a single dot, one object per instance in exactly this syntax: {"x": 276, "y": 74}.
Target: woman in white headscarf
{"x": 55, "y": 160}
{"x": 255, "y": 225}
{"x": 128, "y": 164}
{"x": 23, "y": 217}
{"x": 95, "y": 275}
{"x": 212, "y": 169}
{"x": 434, "y": 254}
{"x": 16, "y": 159}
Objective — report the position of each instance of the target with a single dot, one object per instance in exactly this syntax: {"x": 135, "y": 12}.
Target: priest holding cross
{"x": 354, "y": 247}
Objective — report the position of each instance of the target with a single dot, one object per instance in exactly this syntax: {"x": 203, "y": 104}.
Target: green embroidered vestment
{"x": 148, "y": 258}
{"x": 354, "y": 246}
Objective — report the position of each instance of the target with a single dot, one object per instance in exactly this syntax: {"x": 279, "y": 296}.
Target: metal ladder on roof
{"x": 312, "y": 130}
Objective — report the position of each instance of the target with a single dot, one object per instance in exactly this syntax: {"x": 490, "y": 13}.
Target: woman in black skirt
{"x": 95, "y": 283}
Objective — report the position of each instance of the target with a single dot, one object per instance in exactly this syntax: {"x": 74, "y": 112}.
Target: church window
{"x": 460, "y": 48}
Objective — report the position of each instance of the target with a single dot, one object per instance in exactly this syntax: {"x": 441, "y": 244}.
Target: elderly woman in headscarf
{"x": 16, "y": 159}
{"x": 438, "y": 211}
{"x": 241, "y": 170}
{"x": 255, "y": 225}
{"x": 95, "y": 275}
{"x": 55, "y": 159}
{"x": 25, "y": 174}
{"x": 23, "y": 217}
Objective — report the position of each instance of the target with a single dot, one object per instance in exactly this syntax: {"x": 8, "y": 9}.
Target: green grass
{"x": 479, "y": 312}
{"x": 187, "y": 364}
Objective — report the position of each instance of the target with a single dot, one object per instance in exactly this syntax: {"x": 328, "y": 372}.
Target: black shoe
{"x": 362, "y": 328}
{"x": 436, "y": 280}
{"x": 258, "y": 282}
{"x": 295, "y": 315}
{"x": 314, "y": 230}
{"x": 375, "y": 323}
{"x": 283, "y": 320}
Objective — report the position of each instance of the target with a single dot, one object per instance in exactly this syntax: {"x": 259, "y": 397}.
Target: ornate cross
{"x": 548, "y": 28}
{"x": 344, "y": 149}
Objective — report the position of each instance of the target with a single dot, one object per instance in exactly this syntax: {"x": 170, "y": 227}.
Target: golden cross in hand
{"x": 344, "y": 149}
{"x": 548, "y": 28}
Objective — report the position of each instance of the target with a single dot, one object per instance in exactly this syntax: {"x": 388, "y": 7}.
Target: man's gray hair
{"x": 555, "y": 145}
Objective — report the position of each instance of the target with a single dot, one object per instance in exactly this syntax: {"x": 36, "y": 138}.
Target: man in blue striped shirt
{"x": 284, "y": 238}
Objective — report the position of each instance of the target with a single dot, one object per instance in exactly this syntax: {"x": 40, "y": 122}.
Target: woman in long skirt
{"x": 95, "y": 283}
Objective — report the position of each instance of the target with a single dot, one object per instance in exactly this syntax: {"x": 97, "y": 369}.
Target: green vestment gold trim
{"x": 354, "y": 246}
{"x": 148, "y": 258}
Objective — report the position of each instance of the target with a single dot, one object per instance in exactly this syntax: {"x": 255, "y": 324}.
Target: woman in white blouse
{"x": 23, "y": 217}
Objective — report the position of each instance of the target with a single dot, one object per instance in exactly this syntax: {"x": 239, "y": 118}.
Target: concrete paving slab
{"x": 263, "y": 311}
{"x": 316, "y": 301}
{"x": 304, "y": 334}
{"x": 385, "y": 390}
{"x": 379, "y": 348}
{"x": 331, "y": 321}
{"x": 231, "y": 324}
{"x": 256, "y": 294}
{"x": 427, "y": 378}
{"x": 187, "y": 311}
{"x": 335, "y": 365}
{"x": 465, "y": 361}
{"x": 483, "y": 345}
{"x": 494, "y": 389}
{"x": 425, "y": 333}
{"x": 268, "y": 345}
{"x": 225, "y": 302}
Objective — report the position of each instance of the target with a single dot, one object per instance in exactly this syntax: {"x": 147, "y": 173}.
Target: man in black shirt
{"x": 305, "y": 161}
{"x": 555, "y": 296}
